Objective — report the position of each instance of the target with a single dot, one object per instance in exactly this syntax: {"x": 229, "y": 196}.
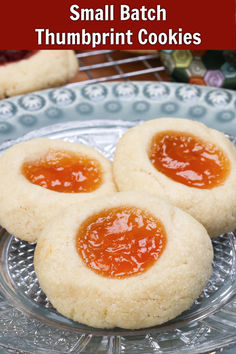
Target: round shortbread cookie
{"x": 150, "y": 298}
{"x": 215, "y": 208}
{"x": 43, "y": 69}
{"x": 25, "y": 208}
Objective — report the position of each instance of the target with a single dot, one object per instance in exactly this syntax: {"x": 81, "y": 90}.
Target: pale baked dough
{"x": 25, "y": 208}
{"x": 44, "y": 69}
{"x": 215, "y": 208}
{"x": 161, "y": 293}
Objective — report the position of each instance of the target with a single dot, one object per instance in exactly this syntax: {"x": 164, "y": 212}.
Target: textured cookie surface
{"x": 44, "y": 69}
{"x": 155, "y": 296}
{"x": 25, "y": 208}
{"x": 215, "y": 208}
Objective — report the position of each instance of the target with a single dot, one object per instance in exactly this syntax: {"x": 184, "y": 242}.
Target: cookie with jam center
{"x": 41, "y": 176}
{"x": 185, "y": 162}
{"x": 128, "y": 260}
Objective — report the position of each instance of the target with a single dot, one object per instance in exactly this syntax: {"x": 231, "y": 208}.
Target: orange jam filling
{"x": 64, "y": 171}
{"x": 188, "y": 160}
{"x": 120, "y": 242}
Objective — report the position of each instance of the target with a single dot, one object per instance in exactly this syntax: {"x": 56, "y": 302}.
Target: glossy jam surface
{"x": 188, "y": 160}
{"x": 121, "y": 242}
{"x": 64, "y": 171}
{"x": 8, "y": 56}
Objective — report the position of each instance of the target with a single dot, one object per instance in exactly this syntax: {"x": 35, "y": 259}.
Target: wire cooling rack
{"x": 110, "y": 65}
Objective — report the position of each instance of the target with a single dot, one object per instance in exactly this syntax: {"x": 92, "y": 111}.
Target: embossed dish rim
{"x": 212, "y": 117}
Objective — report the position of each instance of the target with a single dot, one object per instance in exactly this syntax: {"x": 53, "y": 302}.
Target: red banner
{"x": 79, "y": 24}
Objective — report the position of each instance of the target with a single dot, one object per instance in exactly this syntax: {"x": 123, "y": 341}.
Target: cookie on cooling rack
{"x": 40, "y": 176}
{"x": 126, "y": 260}
{"x": 185, "y": 162}
{"x": 23, "y": 71}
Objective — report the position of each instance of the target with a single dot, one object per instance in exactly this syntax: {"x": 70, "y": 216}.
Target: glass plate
{"x": 28, "y": 322}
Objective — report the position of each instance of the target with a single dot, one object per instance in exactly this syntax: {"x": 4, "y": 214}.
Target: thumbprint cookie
{"x": 40, "y": 176}
{"x": 185, "y": 162}
{"x": 23, "y": 71}
{"x": 128, "y": 260}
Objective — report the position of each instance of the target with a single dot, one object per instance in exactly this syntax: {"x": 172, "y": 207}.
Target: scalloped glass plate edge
{"x": 73, "y": 131}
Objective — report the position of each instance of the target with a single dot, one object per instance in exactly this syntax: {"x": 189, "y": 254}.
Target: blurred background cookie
{"x": 23, "y": 71}
{"x": 185, "y": 162}
{"x": 127, "y": 260}
{"x": 41, "y": 176}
